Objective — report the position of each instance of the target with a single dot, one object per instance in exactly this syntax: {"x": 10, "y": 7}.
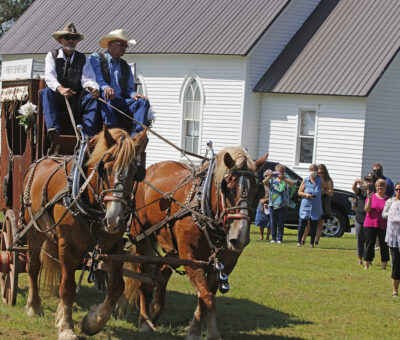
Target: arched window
{"x": 191, "y": 117}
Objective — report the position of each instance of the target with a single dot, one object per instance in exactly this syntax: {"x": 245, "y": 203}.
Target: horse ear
{"x": 260, "y": 162}
{"x": 228, "y": 160}
{"x": 141, "y": 141}
{"x": 110, "y": 141}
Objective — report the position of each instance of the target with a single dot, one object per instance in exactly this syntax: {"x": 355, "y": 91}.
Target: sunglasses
{"x": 70, "y": 37}
{"x": 321, "y": 172}
{"x": 398, "y": 189}
{"x": 121, "y": 44}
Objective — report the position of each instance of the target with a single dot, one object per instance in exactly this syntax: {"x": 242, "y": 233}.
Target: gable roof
{"x": 225, "y": 27}
{"x": 342, "y": 49}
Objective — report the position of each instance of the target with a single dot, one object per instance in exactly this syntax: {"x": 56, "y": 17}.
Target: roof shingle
{"x": 342, "y": 49}
{"x": 226, "y": 27}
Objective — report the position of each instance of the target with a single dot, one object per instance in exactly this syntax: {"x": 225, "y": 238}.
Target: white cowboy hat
{"x": 115, "y": 35}
{"x": 69, "y": 29}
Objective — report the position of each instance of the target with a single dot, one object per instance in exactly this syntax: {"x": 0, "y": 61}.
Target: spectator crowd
{"x": 377, "y": 217}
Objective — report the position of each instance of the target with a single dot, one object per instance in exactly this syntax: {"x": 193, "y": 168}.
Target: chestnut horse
{"x": 234, "y": 191}
{"x": 61, "y": 236}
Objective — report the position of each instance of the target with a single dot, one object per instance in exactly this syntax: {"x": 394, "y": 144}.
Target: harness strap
{"x": 194, "y": 212}
{"x": 179, "y": 214}
{"x": 39, "y": 213}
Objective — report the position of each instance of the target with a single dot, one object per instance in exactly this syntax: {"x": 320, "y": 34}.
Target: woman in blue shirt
{"x": 311, "y": 204}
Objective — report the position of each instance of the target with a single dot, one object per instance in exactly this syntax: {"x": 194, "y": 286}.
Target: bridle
{"x": 232, "y": 213}
{"x": 117, "y": 192}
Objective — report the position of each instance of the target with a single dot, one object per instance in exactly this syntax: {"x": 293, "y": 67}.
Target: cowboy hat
{"x": 69, "y": 29}
{"x": 115, "y": 35}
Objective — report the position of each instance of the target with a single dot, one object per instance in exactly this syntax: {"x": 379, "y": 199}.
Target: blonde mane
{"x": 239, "y": 155}
{"x": 123, "y": 151}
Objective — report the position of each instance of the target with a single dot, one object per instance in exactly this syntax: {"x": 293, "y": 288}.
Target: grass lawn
{"x": 278, "y": 291}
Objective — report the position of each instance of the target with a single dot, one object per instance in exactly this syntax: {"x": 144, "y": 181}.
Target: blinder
{"x": 140, "y": 173}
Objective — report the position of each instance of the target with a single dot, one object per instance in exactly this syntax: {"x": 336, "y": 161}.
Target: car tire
{"x": 336, "y": 226}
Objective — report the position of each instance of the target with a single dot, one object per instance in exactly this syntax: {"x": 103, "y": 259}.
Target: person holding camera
{"x": 279, "y": 199}
{"x": 311, "y": 204}
{"x": 375, "y": 224}
{"x": 360, "y": 188}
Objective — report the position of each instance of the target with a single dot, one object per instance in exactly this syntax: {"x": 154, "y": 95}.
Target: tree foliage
{"x": 10, "y": 11}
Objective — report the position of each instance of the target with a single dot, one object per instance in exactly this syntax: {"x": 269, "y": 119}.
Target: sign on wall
{"x": 17, "y": 69}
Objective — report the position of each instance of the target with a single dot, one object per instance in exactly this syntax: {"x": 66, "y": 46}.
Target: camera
{"x": 313, "y": 196}
{"x": 276, "y": 173}
{"x": 370, "y": 187}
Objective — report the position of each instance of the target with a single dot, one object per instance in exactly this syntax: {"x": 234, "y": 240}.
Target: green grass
{"x": 277, "y": 291}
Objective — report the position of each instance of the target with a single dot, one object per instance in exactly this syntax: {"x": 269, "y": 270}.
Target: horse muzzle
{"x": 113, "y": 225}
{"x": 238, "y": 236}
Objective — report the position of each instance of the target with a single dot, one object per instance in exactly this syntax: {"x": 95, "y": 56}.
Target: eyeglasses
{"x": 321, "y": 172}
{"x": 121, "y": 44}
{"x": 70, "y": 37}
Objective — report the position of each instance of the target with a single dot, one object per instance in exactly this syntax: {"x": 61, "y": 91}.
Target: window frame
{"x": 299, "y": 137}
{"x": 185, "y": 86}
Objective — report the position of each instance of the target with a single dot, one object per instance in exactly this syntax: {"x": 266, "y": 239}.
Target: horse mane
{"x": 239, "y": 155}
{"x": 123, "y": 151}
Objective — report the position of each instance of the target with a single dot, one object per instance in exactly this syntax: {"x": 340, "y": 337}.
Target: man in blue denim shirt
{"x": 115, "y": 78}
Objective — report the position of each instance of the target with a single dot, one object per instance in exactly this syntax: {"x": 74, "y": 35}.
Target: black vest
{"x": 123, "y": 79}
{"x": 74, "y": 76}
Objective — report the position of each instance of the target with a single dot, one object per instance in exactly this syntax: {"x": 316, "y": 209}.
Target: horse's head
{"x": 240, "y": 189}
{"x": 116, "y": 157}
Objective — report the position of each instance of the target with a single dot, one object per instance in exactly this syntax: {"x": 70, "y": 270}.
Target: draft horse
{"x": 234, "y": 190}
{"x": 63, "y": 233}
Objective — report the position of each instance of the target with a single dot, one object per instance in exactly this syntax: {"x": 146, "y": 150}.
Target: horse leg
{"x": 145, "y": 298}
{"x": 98, "y": 315}
{"x": 33, "y": 303}
{"x": 157, "y": 307}
{"x": 206, "y": 307}
{"x": 69, "y": 261}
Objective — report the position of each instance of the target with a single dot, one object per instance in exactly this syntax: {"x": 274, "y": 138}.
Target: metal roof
{"x": 342, "y": 49}
{"x": 225, "y": 27}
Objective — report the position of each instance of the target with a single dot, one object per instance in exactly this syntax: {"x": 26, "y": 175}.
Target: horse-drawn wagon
{"x": 58, "y": 204}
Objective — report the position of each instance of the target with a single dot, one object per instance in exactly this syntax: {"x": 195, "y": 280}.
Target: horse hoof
{"x": 93, "y": 322}
{"x": 31, "y": 311}
{"x": 67, "y": 334}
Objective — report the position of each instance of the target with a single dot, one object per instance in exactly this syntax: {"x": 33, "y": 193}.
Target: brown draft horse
{"x": 113, "y": 166}
{"x": 234, "y": 174}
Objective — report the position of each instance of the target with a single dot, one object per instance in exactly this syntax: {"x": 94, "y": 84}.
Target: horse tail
{"x": 50, "y": 268}
{"x": 130, "y": 297}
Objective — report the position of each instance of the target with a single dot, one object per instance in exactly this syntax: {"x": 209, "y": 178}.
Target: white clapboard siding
{"x": 339, "y": 139}
{"x": 222, "y": 79}
{"x": 262, "y": 56}
{"x": 382, "y": 132}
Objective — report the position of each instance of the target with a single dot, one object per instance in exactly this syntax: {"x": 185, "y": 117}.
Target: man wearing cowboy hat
{"x": 67, "y": 73}
{"x": 116, "y": 82}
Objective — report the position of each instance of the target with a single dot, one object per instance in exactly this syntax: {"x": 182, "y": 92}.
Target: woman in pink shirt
{"x": 375, "y": 225}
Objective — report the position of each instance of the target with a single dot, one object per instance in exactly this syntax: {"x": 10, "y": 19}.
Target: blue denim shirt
{"x": 115, "y": 72}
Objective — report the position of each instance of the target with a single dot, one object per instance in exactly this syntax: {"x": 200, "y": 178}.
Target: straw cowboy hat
{"x": 115, "y": 35}
{"x": 68, "y": 29}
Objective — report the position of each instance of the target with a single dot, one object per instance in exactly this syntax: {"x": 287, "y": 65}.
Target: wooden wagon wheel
{"x": 9, "y": 280}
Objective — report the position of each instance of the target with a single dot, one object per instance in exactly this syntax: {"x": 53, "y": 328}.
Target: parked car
{"x": 342, "y": 203}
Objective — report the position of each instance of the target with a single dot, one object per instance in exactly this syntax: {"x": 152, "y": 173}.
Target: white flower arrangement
{"x": 27, "y": 115}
